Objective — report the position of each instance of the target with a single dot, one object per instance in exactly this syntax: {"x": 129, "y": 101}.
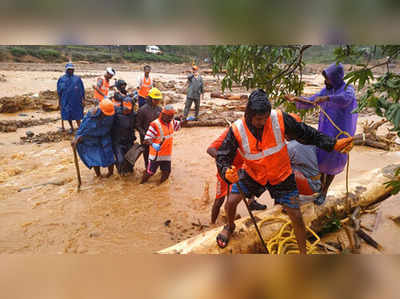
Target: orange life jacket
{"x": 123, "y": 103}
{"x": 146, "y": 86}
{"x": 269, "y": 160}
{"x": 104, "y": 89}
{"x": 164, "y": 135}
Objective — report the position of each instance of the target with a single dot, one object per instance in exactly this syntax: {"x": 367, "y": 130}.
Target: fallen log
{"x": 363, "y": 191}
{"x": 207, "y": 123}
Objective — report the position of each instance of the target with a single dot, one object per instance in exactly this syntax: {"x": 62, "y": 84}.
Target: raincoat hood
{"x": 335, "y": 74}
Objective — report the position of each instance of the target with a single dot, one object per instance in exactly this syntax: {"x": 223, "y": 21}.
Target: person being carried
{"x": 160, "y": 137}
{"x": 222, "y": 186}
{"x": 71, "y": 96}
{"x": 93, "y": 138}
{"x": 338, "y": 100}
{"x": 146, "y": 114}
{"x": 103, "y": 85}
{"x": 144, "y": 85}
{"x": 260, "y": 136}
{"x": 304, "y": 162}
{"x": 195, "y": 93}
{"x": 123, "y": 130}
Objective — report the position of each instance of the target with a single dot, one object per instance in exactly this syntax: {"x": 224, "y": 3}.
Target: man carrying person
{"x": 146, "y": 114}
{"x": 338, "y": 101}
{"x": 123, "y": 130}
{"x": 93, "y": 138}
{"x": 103, "y": 85}
{"x": 260, "y": 136}
{"x": 71, "y": 96}
{"x": 160, "y": 137}
{"x": 195, "y": 93}
{"x": 222, "y": 186}
{"x": 145, "y": 83}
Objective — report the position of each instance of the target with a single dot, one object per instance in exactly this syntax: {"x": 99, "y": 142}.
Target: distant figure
{"x": 145, "y": 83}
{"x": 103, "y": 85}
{"x": 71, "y": 96}
{"x": 146, "y": 114}
{"x": 123, "y": 130}
{"x": 338, "y": 101}
{"x": 195, "y": 93}
{"x": 93, "y": 138}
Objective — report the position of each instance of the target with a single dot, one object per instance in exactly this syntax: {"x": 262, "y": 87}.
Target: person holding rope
{"x": 260, "y": 137}
{"x": 336, "y": 119}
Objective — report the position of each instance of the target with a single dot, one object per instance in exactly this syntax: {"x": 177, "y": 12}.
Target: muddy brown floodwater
{"x": 42, "y": 212}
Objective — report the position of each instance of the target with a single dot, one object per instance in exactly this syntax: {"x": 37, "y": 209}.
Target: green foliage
{"x": 395, "y": 184}
{"x": 277, "y": 70}
{"x": 18, "y": 51}
{"x": 141, "y": 56}
{"x": 332, "y": 224}
{"x": 49, "y": 54}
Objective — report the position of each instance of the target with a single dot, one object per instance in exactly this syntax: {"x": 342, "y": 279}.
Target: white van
{"x": 153, "y": 50}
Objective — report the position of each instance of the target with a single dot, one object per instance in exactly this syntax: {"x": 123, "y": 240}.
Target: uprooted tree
{"x": 278, "y": 70}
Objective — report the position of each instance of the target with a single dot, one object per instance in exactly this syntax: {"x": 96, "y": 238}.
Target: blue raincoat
{"x": 95, "y": 149}
{"x": 71, "y": 92}
{"x": 341, "y": 102}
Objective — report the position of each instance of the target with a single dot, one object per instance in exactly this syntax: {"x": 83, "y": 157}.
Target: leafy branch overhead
{"x": 278, "y": 70}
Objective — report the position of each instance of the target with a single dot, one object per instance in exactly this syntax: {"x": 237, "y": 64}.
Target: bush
{"x": 49, "y": 54}
{"x": 140, "y": 56}
{"x": 100, "y": 58}
{"x": 18, "y": 52}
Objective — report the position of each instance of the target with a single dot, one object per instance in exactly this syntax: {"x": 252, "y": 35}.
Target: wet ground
{"x": 42, "y": 212}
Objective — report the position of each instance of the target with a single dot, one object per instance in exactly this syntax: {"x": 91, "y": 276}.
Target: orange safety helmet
{"x": 195, "y": 67}
{"x": 107, "y": 107}
{"x": 296, "y": 117}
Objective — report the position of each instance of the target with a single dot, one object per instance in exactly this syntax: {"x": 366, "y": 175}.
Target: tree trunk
{"x": 363, "y": 191}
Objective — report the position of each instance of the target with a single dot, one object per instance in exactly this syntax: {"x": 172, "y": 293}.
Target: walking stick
{"x": 78, "y": 173}
{"x": 252, "y": 217}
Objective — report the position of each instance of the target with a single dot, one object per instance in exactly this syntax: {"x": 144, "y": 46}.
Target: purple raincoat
{"x": 341, "y": 102}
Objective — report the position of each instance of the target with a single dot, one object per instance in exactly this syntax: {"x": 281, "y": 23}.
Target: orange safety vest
{"x": 125, "y": 104}
{"x": 104, "y": 89}
{"x": 145, "y": 87}
{"x": 164, "y": 134}
{"x": 269, "y": 161}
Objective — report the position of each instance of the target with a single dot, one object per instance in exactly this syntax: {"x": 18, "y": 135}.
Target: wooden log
{"x": 206, "y": 123}
{"x": 363, "y": 191}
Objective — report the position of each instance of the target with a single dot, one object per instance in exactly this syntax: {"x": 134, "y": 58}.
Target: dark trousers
{"x": 146, "y": 151}
{"x": 188, "y": 105}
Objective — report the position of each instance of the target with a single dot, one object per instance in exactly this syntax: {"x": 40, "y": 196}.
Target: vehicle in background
{"x": 153, "y": 50}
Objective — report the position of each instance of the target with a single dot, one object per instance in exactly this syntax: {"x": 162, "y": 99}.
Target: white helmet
{"x": 111, "y": 71}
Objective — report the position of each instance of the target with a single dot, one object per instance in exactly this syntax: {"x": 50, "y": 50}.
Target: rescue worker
{"x": 146, "y": 114}
{"x": 159, "y": 136}
{"x": 338, "y": 101}
{"x": 71, "y": 96}
{"x": 304, "y": 162}
{"x": 123, "y": 130}
{"x": 103, "y": 85}
{"x": 222, "y": 187}
{"x": 93, "y": 138}
{"x": 260, "y": 136}
{"x": 145, "y": 83}
{"x": 195, "y": 93}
